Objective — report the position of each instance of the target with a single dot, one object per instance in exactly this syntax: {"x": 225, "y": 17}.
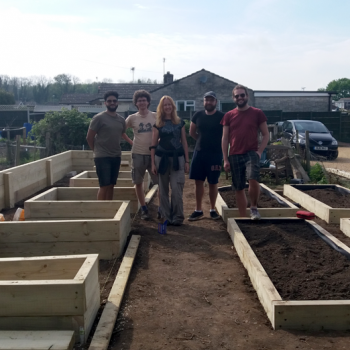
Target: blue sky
{"x": 264, "y": 44}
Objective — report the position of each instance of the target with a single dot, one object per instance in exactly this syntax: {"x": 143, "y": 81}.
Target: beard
{"x": 210, "y": 108}
{"x": 242, "y": 103}
{"x": 112, "y": 109}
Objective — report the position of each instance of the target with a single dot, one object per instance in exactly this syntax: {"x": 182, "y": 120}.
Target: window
{"x": 185, "y": 105}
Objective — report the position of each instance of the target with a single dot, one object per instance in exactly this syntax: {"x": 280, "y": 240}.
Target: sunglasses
{"x": 239, "y": 95}
{"x": 112, "y": 101}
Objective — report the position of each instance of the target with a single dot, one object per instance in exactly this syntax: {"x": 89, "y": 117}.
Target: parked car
{"x": 320, "y": 138}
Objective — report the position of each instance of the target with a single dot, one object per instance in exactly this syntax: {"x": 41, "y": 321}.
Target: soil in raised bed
{"x": 299, "y": 263}
{"x": 265, "y": 201}
{"x": 331, "y": 197}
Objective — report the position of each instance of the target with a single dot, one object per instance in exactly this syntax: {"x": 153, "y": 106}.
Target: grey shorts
{"x": 139, "y": 164}
{"x": 242, "y": 165}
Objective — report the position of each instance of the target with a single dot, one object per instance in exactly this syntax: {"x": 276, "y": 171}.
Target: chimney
{"x": 168, "y": 78}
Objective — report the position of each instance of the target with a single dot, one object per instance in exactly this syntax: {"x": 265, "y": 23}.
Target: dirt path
{"x": 189, "y": 290}
{"x": 342, "y": 162}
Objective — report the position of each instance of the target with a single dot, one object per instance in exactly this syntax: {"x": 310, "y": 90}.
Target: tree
{"x": 66, "y": 128}
{"x": 6, "y": 98}
{"x": 341, "y": 86}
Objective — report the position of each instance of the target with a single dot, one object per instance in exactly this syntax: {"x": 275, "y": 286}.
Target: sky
{"x": 263, "y": 44}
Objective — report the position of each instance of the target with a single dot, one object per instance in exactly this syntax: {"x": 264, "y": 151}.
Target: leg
{"x": 107, "y": 169}
{"x": 109, "y": 194}
{"x": 164, "y": 180}
{"x": 102, "y": 193}
{"x": 213, "y": 171}
{"x": 241, "y": 202}
{"x": 254, "y": 193}
{"x": 213, "y": 193}
{"x": 140, "y": 194}
{"x": 138, "y": 169}
{"x": 199, "y": 194}
{"x": 177, "y": 182}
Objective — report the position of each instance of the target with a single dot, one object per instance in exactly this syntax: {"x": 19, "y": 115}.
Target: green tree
{"x": 66, "y": 128}
{"x": 341, "y": 86}
{"x": 6, "y": 98}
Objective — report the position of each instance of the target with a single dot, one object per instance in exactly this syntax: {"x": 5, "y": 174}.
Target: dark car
{"x": 320, "y": 138}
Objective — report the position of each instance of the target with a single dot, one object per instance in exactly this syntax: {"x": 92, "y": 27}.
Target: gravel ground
{"x": 342, "y": 162}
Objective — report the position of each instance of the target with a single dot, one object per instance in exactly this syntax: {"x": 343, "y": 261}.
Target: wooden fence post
{"x": 307, "y": 150}
{"x": 47, "y": 144}
{"x": 24, "y": 136}
{"x": 18, "y": 150}
{"x": 49, "y": 172}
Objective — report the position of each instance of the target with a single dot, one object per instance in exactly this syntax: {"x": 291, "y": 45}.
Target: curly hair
{"x": 141, "y": 93}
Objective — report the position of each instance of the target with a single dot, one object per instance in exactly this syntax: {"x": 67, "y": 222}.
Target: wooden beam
{"x": 109, "y": 315}
{"x": 8, "y": 190}
{"x": 151, "y": 193}
{"x": 49, "y": 172}
{"x": 38, "y": 340}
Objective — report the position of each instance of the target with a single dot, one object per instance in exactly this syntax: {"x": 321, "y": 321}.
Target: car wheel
{"x": 333, "y": 155}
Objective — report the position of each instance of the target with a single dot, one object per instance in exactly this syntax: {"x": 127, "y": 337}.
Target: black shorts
{"x": 206, "y": 165}
{"x": 107, "y": 169}
{"x": 240, "y": 165}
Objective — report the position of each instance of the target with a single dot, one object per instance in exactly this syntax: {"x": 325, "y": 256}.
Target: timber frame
{"x": 66, "y": 234}
{"x": 323, "y": 211}
{"x": 51, "y": 292}
{"x": 227, "y": 212}
{"x": 89, "y": 179}
{"x": 300, "y": 315}
{"x": 59, "y": 198}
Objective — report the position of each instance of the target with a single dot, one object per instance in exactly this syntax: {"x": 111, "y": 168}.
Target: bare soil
{"x": 300, "y": 264}
{"x": 189, "y": 290}
{"x": 265, "y": 201}
{"x": 331, "y": 197}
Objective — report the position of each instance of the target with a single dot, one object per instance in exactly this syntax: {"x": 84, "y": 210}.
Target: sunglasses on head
{"x": 239, "y": 95}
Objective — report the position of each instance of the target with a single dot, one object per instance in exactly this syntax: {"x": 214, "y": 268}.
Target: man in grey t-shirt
{"x": 104, "y": 136}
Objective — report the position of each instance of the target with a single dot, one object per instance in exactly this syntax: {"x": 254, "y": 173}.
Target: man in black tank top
{"x": 207, "y": 157}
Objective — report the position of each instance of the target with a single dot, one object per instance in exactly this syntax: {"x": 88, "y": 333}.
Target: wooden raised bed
{"x": 288, "y": 211}
{"x": 49, "y": 293}
{"x": 89, "y": 179}
{"x": 303, "y": 315}
{"x": 88, "y": 227}
{"x": 67, "y": 198}
{"x": 323, "y": 211}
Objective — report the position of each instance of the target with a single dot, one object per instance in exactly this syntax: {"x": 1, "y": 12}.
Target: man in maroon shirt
{"x": 241, "y": 127}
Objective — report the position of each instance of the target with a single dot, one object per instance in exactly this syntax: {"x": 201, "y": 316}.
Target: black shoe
{"x": 159, "y": 215}
{"x": 196, "y": 215}
{"x": 214, "y": 215}
{"x": 144, "y": 215}
{"x": 176, "y": 223}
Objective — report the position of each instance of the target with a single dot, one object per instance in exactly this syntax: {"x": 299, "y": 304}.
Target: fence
{"x": 336, "y": 122}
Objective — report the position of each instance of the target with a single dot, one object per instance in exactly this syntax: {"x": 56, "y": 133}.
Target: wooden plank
{"x": 123, "y": 216}
{"x": 38, "y": 340}
{"x": 106, "y": 249}
{"x": 312, "y": 315}
{"x": 49, "y": 173}
{"x": 50, "y": 194}
{"x": 8, "y": 192}
{"x": 90, "y": 193}
{"x": 345, "y": 226}
{"x": 151, "y": 193}
{"x": 90, "y": 182}
{"x": 55, "y": 231}
{"x": 39, "y": 269}
{"x": 264, "y": 287}
{"x": 71, "y": 209}
{"x": 105, "y": 326}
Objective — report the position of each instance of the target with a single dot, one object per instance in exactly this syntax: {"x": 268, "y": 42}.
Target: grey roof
{"x": 72, "y": 99}
{"x": 126, "y": 90}
{"x": 44, "y": 108}
{"x": 344, "y": 99}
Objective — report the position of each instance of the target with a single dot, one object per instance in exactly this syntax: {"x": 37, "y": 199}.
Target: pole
{"x": 24, "y": 136}
{"x": 18, "y": 149}
{"x": 307, "y": 150}
{"x": 297, "y": 141}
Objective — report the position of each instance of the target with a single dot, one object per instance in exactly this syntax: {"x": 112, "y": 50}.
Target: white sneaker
{"x": 254, "y": 214}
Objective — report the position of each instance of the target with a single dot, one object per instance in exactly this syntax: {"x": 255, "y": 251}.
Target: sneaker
{"x": 144, "y": 215}
{"x": 196, "y": 215}
{"x": 254, "y": 214}
{"x": 214, "y": 215}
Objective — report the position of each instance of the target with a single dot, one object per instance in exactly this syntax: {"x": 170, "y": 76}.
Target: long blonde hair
{"x": 160, "y": 112}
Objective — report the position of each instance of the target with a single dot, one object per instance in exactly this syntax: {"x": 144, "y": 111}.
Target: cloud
{"x": 140, "y": 6}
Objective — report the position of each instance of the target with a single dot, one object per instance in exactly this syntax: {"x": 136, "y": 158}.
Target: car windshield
{"x": 311, "y": 127}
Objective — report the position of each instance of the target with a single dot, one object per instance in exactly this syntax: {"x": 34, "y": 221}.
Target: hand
{"x": 187, "y": 168}
{"x": 154, "y": 169}
{"x": 227, "y": 166}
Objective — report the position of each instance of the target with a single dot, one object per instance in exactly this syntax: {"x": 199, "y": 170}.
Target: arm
{"x": 193, "y": 130}
{"x": 155, "y": 141}
{"x": 90, "y": 138}
{"x": 127, "y": 139}
{"x": 224, "y": 146}
{"x": 265, "y": 133}
{"x": 185, "y": 146}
